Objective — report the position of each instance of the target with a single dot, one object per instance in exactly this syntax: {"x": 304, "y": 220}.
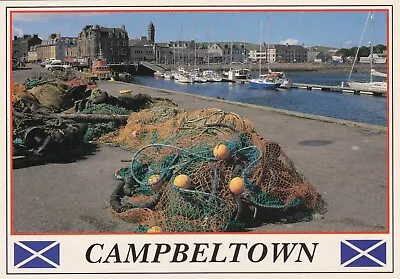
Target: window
{"x": 110, "y": 35}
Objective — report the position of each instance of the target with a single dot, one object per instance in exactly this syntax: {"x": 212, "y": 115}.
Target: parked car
{"x": 56, "y": 65}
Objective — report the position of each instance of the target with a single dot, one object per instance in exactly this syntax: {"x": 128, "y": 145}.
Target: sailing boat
{"x": 374, "y": 86}
{"x": 262, "y": 82}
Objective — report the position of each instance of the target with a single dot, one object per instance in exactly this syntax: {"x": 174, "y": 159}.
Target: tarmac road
{"x": 345, "y": 163}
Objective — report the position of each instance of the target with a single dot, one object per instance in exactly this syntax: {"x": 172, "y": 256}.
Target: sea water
{"x": 359, "y": 108}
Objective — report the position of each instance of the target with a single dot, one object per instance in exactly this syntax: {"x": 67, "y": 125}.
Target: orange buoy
{"x": 182, "y": 181}
{"x": 155, "y": 229}
{"x": 236, "y": 185}
{"x": 155, "y": 182}
{"x": 221, "y": 152}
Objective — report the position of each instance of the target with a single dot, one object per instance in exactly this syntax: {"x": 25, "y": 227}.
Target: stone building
{"x": 151, "y": 32}
{"x": 112, "y": 42}
{"x": 55, "y": 47}
{"x": 290, "y": 53}
{"x": 22, "y": 45}
{"x": 141, "y": 50}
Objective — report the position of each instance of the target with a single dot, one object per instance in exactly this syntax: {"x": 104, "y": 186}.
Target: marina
{"x": 315, "y": 93}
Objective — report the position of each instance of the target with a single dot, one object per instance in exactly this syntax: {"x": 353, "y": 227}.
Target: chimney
{"x": 123, "y": 26}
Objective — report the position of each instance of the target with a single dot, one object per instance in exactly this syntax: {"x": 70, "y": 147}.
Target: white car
{"x": 56, "y": 65}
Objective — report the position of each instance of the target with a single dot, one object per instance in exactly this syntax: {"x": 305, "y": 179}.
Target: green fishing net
{"x": 182, "y": 143}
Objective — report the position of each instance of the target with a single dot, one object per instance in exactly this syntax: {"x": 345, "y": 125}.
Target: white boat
{"x": 375, "y": 86}
{"x": 168, "y": 75}
{"x": 237, "y": 74}
{"x": 200, "y": 79}
{"x": 263, "y": 81}
{"x": 378, "y": 74}
{"x": 371, "y": 85}
{"x": 212, "y": 76}
{"x": 158, "y": 74}
{"x": 185, "y": 79}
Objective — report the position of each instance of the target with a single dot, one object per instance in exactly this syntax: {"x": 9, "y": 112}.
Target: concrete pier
{"x": 345, "y": 161}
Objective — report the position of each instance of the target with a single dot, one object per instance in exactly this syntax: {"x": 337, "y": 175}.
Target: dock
{"x": 339, "y": 89}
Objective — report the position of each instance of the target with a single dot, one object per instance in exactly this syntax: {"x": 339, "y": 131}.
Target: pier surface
{"x": 344, "y": 161}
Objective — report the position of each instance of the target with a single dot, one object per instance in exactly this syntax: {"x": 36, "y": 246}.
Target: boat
{"x": 100, "y": 69}
{"x": 371, "y": 85}
{"x": 263, "y": 81}
{"x": 281, "y": 78}
{"x": 158, "y": 74}
{"x": 237, "y": 74}
{"x": 168, "y": 75}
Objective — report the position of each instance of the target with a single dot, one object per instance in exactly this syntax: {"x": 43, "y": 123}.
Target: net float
{"x": 155, "y": 229}
{"x": 236, "y": 185}
{"x": 221, "y": 152}
{"x": 182, "y": 181}
{"x": 155, "y": 182}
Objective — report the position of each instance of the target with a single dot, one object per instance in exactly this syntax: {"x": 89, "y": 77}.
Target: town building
{"x": 55, "y": 47}
{"x": 378, "y": 58}
{"x": 141, "y": 50}
{"x": 22, "y": 45}
{"x": 227, "y": 52}
{"x": 266, "y": 54}
{"x": 290, "y": 53}
{"x": 111, "y": 42}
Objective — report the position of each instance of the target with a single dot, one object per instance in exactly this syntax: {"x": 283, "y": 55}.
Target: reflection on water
{"x": 360, "y": 108}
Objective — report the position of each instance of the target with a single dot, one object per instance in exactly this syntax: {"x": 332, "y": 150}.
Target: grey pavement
{"x": 348, "y": 168}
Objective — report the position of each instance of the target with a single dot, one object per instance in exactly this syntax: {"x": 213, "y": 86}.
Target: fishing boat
{"x": 371, "y": 85}
{"x": 280, "y": 77}
{"x": 263, "y": 82}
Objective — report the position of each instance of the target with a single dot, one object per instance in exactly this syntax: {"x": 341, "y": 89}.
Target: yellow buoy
{"x": 155, "y": 182}
{"x": 182, "y": 181}
{"x": 236, "y": 185}
{"x": 155, "y": 229}
{"x": 125, "y": 91}
{"x": 221, "y": 152}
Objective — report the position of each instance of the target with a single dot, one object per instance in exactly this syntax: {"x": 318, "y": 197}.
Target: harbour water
{"x": 359, "y": 108}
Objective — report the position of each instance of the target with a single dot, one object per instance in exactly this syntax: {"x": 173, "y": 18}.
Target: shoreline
{"x": 293, "y": 67}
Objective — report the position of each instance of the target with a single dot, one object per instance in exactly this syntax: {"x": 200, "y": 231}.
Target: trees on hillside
{"x": 363, "y": 52}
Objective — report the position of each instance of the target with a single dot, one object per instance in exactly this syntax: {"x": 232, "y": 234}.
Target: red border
{"x": 255, "y": 10}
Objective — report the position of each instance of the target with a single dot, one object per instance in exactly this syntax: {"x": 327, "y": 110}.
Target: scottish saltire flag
{"x": 37, "y": 254}
{"x": 363, "y": 253}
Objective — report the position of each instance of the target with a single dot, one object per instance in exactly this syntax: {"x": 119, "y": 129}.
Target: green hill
{"x": 322, "y": 48}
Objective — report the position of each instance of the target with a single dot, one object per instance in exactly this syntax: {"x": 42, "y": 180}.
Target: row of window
{"x": 141, "y": 51}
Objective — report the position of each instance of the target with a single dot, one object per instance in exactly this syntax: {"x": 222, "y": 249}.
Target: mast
{"x": 267, "y": 52}
{"x": 259, "y": 70}
{"x": 372, "y": 46}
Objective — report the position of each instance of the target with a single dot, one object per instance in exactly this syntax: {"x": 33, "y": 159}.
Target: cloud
{"x": 17, "y": 31}
{"x": 348, "y": 42}
{"x": 43, "y": 17}
{"x": 290, "y": 41}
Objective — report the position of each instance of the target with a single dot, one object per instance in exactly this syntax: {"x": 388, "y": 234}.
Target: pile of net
{"x": 181, "y": 179}
{"x": 41, "y": 125}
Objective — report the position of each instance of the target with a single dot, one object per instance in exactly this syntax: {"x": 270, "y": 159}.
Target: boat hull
{"x": 262, "y": 85}
{"x": 378, "y": 87}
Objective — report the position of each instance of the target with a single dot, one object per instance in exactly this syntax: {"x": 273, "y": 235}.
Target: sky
{"x": 333, "y": 29}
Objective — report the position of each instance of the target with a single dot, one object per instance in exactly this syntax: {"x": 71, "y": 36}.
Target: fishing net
{"x": 168, "y": 143}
